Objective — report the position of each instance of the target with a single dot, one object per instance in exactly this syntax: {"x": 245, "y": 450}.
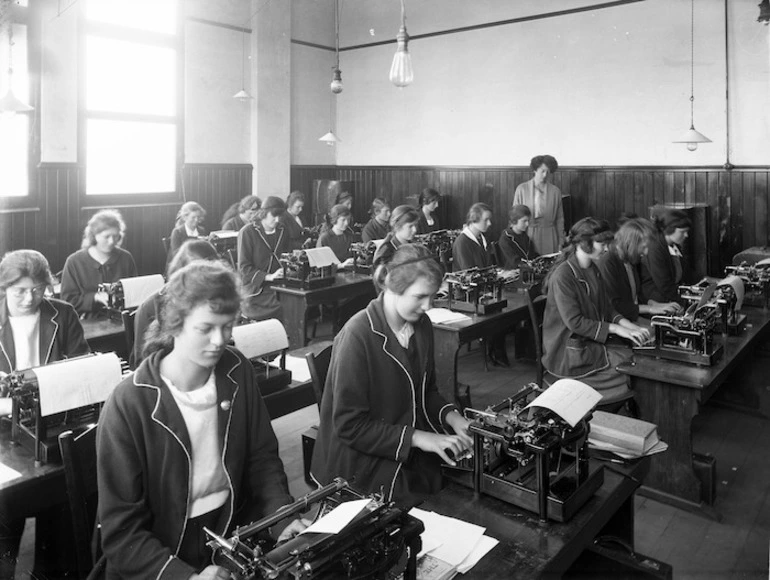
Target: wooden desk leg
{"x": 445, "y": 352}
{"x": 671, "y": 479}
{"x": 294, "y": 313}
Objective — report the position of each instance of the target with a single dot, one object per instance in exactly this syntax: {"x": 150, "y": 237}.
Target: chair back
{"x": 78, "y": 452}
{"x": 318, "y": 365}
{"x": 536, "y": 307}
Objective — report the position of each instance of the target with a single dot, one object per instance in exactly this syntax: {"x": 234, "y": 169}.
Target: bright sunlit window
{"x": 14, "y": 128}
{"x": 131, "y": 63}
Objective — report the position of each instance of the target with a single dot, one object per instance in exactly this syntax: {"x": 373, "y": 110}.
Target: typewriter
{"x": 381, "y": 542}
{"x": 756, "y": 282}
{"x": 724, "y": 296}
{"x": 225, "y": 242}
{"x": 534, "y": 271}
{"x": 128, "y": 294}
{"x": 530, "y": 458}
{"x": 36, "y": 423}
{"x": 311, "y": 236}
{"x": 475, "y": 290}
{"x": 363, "y": 256}
{"x": 687, "y": 337}
{"x": 263, "y": 343}
{"x": 439, "y": 243}
{"x": 298, "y": 272}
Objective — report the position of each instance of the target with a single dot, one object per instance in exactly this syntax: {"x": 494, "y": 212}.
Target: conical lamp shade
{"x": 692, "y": 136}
{"x": 10, "y": 104}
{"x": 242, "y": 95}
{"x": 330, "y": 139}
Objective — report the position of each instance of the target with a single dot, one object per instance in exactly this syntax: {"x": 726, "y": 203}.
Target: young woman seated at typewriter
{"x": 186, "y": 441}
{"x": 428, "y": 202}
{"x": 403, "y": 227}
{"x": 619, "y": 268}
{"x": 34, "y": 331}
{"x": 241, "y": 213}
{"x": 383, "y": 421}
{"x": 189, "y": 225}
{"x": 579, "y": 318}
{"x": 101, "y": 259}
{"x": 515, "y": 244}
{"x": 292, "y": 221}
{"x": 149, "y": 310}
{"x": 259, "y": 253}
{"x": 661, "y": 270}
{"x": 338, "y": 236}
{"x": 379, "y": 226}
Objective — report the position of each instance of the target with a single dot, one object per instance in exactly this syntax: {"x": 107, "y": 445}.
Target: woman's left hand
{"x": 293, "y": 529}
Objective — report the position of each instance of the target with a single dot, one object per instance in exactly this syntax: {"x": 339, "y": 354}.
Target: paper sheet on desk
{"x": 445, "y": 316}
{"x": 77, "y": 383}
{"x": 737, "y": 285}
{"x": 456, "y": 538}
{"x": 298, "y": 367}
{"x": 481, "y": 549}
{"x": 260, "y": 338}
{"x": 7, "y": 474}
{"x": 338, "y": 518}
{"x": 223, "y": 234}
{"x": 136, "y": 290}
{"x": 569, "y": 399}
{"x": 321, "y": 257}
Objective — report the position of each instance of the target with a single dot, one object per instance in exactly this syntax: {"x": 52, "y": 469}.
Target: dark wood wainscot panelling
{"x": 54, "y": 225}
{"x": 738, "y": 198}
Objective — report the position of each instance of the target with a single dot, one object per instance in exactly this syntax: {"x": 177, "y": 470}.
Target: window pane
{"x": 127, "y": 77}
{"x": 13, "y": 155}
{"x": 130, "y": 157}
{"x": 153, "y": 15}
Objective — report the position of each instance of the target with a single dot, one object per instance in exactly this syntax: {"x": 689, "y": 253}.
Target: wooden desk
{"x": 448, "y": 338}
{"x": 106, "y": 335}
{"x": 296, "y": 301}
{"x": 669, "y": 394}
{"x": 529, "y": 549}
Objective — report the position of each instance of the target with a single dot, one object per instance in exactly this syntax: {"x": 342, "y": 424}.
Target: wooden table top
{"x": 341, "y": 280}
{"x": 517, "y": 304}
{"x": 100, "y": 327}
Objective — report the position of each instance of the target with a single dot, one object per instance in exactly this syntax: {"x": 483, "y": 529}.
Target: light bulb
{"x": 336, "y": 85}
{"x": 401, "y": 73}
{"x": 692, "y": 146}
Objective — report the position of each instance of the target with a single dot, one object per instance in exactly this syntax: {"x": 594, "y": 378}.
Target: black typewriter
{"x": 363, "y": 256}
{"x": 439, "y": 243}
{"x": 756, "y": 282}
{"x": 475, "y": 290}
{"x": 298, "y": 272}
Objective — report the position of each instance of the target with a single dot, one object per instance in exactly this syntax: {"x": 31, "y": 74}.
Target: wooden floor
{"x": 696, "y": 547}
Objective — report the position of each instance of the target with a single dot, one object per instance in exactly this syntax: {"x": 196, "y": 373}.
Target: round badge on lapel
{"x": 225, "y": 405}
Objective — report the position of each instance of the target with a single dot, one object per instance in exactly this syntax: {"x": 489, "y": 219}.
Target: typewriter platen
{"x": 475, "y": 290}
{"x": 531, "y": 459}
{"x": 380, "y": 542}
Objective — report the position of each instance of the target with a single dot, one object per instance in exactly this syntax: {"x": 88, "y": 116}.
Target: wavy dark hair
{"x": 549, "y": 161}
{"x": 582, "y": 235}
{"x": 428, "y": 195}
{"x": 200, "y": 282}
{"x": 668, "y": 220}
{"x": 24, "y": 264}
{"x": 105, "y": 219}
{"x": 409, "y": 263}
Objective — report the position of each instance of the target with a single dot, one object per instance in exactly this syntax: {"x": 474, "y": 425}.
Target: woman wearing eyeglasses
{"x": 100, "y": 259}
{"x": 34, "y": 331}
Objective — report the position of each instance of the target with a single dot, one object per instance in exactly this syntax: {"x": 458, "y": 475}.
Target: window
{"x": 15, "y": 127}
{"x": 132, "y": 130}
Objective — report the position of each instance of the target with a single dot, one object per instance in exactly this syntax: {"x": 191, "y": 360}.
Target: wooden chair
{"x": 536, "y": 307}
{"x": 318, "y": 365}
{"x": 78, "y": 451}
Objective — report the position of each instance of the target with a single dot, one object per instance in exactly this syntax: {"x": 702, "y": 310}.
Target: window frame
{"x": 112, "y": 31}
{"x": 29, "y": 16}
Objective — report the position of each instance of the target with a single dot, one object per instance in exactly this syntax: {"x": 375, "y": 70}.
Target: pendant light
{"x": 691, "y": 136}
{"x": 243, "y": 95}
{"x": 336, "y": 84}
{"x": 10, "y": 104}
{"x": 401, "y": 72}
{"x": 330, "y": 138}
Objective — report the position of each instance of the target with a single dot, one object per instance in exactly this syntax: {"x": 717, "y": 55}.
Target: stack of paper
{"x": 458, "y": 545}
{"x": 445, "y": 316}
{"x": 624, "y": 436}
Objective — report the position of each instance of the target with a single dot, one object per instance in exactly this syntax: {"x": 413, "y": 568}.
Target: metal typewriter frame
{"x": 535, "y": 462}
{"x": 535, "y": 270}
{"x": 248, "y": 555}
{"x": 729, "y": 320}
{"x": 439, "y": 243}
{"x": 363, "y": 256}
{"x": 475, "y": 290}
{"x": 298, "y": 273}
{"x": 756, "y": 282}
{"x": 115, "y": 297}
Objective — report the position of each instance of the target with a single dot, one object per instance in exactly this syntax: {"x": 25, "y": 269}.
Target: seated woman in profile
{"x": 189, "y": 225}
{"x": 661, "y": 270}
{"x": 579, "y": 318}
{"x": 149, "y": 310}
{"x": 379, "y": 226}
{"x": 259, "y": 253}
{"x": 186, "y": 441}
{"x": 515, "y": 244}
{"x": 101, "y": 259}
{"x": 403, "y": 227}
{"x": 34, "y": 331}
{"x": 619, "y": 268}
{"x": 338, "y": 236}
{"x": 383, "y": 421}
{"x": 241, "y": 213}
{"x": 292, "y": 222}
{"x": 428, "y": 202}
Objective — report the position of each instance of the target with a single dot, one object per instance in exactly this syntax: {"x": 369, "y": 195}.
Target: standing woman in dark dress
{"x": 292, "y": 222}
{"x": 189, "y": 225}
{"x": 579, "y": 318}
{"x": 379, "y": 226}
{"x": 383, "y": 421}
{"x": 428, "y": 202}
{"x": 259, "y": 251}
{"x": 101, "y": 259}
{"x": 662, "y": 267}
{"x": 515, "y": 244}
{"x": 403, "y": 227}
